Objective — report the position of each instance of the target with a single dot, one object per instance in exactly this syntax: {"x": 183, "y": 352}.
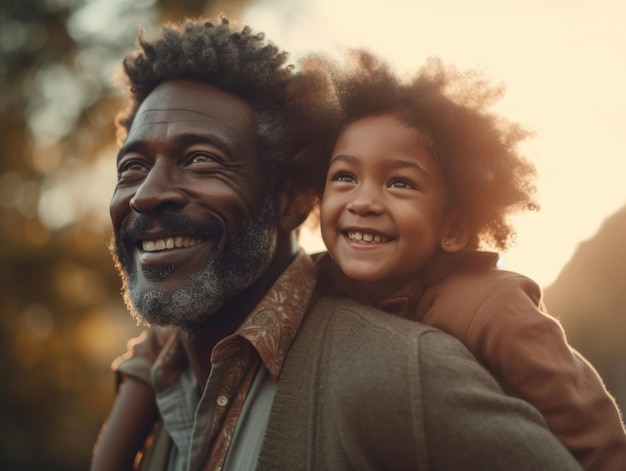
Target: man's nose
{"x": 158, "y": 191}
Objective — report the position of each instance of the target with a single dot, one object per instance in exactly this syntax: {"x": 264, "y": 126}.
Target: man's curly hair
{"x": 488, "y": 179}
{"x": 293, "y": 114}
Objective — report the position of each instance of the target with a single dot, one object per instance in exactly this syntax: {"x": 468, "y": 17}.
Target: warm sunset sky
{"x": 564, "y": 66}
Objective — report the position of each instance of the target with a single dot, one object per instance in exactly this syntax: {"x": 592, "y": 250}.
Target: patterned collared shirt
{"x": 202, "y": 435}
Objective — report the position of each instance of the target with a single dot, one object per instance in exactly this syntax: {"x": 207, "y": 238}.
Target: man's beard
{"x": 243, "y": 261}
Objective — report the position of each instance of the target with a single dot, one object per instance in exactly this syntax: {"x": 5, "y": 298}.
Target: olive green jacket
{"x": 364, "y": 390}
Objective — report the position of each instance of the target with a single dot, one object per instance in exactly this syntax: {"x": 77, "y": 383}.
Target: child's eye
{"x": 401, "y": 183}
{"x": 343, "y": 177}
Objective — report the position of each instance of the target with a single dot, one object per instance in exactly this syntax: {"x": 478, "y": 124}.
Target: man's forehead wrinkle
{"x": 211, "y": 126}
{"x": 160, "y": 115}
{"x": 169, "y": 110}
{"x": 168, "y": 122}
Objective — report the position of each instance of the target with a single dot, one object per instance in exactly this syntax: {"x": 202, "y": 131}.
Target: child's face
{"x": 383, "y": 212}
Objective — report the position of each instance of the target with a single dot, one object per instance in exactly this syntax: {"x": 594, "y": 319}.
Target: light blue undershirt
{"x": 179, "y": 406}
{"x": 244, "y": 450}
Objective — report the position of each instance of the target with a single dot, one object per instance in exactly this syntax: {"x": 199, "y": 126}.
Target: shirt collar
{"x": 269, "y": 328}
{"x": 273, "y": 324}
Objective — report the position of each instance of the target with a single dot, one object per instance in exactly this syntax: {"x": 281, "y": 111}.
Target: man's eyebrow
{"x": 128, "y": 146}
{"x": 189, "y": 138}
{"x": 181, "y": 140}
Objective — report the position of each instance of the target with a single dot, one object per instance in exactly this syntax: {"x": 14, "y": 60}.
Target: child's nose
{"x": 365, "y": 205}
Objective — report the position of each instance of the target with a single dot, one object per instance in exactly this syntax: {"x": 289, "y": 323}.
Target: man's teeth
{"x": 169, "y": 243}
{"x": 366, "y": 237}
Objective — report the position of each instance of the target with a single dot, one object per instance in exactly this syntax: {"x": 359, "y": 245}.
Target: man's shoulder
{"x": 342, "y": 311}
{"x": 366, "y": 359}
{"x": 350, "y": 325}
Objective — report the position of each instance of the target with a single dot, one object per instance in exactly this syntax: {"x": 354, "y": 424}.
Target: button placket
{"x": 222, "y": 400}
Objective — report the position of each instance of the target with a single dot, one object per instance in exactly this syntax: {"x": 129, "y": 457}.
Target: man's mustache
{"x": 177, "y": 224}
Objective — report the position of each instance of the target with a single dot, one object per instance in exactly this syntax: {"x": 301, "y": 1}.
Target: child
{"x": 418, "y": 182}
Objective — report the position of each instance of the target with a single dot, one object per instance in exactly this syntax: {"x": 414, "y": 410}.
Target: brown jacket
{"x": 498, "y": 315}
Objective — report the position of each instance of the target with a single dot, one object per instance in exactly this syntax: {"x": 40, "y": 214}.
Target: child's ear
{"x": 456, "y": 235}
{"x": 293, "y": 209}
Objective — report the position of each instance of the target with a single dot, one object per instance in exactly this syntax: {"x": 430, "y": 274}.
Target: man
{"x": 217, "y": 170}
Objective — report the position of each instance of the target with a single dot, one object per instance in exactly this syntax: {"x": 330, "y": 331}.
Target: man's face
{"x": 192, "y": 223}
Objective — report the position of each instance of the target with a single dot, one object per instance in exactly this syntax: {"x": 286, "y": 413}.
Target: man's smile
{"x": 169, "y": 243}
{"x": 176, "y": 250}
{"x": 171, "y": 239}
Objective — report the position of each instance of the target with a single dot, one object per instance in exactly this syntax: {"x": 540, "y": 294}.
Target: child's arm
{"x": 527, "y": 350}
{"x": 123, "y": 435}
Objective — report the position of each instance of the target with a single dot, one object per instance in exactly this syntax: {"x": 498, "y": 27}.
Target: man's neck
{"x": 200, "y": 340}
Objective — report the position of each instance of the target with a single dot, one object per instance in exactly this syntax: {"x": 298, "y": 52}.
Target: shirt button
{"x": 222, "y": 401}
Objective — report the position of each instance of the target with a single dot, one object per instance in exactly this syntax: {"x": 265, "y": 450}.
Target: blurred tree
{"x": 62, "y": 319}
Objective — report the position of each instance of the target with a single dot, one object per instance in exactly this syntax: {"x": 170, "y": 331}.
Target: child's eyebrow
{"x": 401, "y": 164}
{"x": 343, "y": 158}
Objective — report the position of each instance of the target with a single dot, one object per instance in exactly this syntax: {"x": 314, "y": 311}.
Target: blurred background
{"x": 62, "y": 320}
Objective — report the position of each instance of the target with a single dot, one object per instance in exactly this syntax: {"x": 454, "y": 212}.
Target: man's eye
{"x": 201, "y": 157}
{"x": 130, "y": 168}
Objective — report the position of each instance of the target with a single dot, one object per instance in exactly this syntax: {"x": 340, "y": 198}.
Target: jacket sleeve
{"x": 142, "y": 351}
{"x": 470, "y": 424}
{"x": 528, "y": 352}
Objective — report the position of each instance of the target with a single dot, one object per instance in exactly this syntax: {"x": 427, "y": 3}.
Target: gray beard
{"x": 242, "y": 262}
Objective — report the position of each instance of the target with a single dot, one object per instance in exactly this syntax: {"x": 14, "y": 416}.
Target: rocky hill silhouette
{"x": 589, "y": 297}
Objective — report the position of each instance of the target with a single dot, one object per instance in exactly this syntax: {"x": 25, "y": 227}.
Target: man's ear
{"x": 456, "y": 234}
{"x": 293, "y": 208}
